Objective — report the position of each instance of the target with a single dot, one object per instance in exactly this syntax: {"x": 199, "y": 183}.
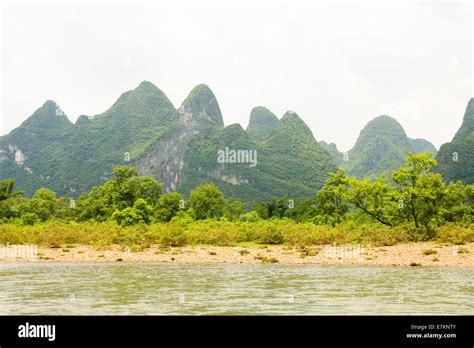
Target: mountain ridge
{"x": 179, "y": 147}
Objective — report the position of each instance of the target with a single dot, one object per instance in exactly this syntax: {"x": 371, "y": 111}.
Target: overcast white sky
{"x": 336, "y": 65}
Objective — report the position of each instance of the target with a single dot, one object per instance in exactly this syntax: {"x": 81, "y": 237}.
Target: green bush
{"x": 455, "y": 234}
{"x": 29, "y": 219}
{"x": 270, "y": 234}
{"x": 183, "y": 230}
{"x": 174, "y": 235}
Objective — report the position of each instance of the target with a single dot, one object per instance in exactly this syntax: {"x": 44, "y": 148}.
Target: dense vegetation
{"x": 289, "y": 162}
{"x": 262, "y": 123}
{"x": 381, "y": 147}
{"x": 142, "y": 123}
{"x": 69, "y": 158}
{"x": 130, "y": 209}
{"x": 456, "y": 159}
{"x": 142, "y": 127}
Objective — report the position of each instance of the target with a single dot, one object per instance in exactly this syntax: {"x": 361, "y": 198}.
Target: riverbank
{"x": 410, "y": 254}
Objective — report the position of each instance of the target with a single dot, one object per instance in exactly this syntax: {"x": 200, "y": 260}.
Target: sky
{"x": 337, "y": 65}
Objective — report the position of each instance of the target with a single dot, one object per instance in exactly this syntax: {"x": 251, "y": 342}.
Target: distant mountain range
{"x": 180, "y": 147}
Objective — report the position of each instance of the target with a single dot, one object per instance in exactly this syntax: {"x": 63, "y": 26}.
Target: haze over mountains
{"x": 179, "y": 146}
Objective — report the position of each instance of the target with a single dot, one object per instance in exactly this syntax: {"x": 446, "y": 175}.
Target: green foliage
{"x": 294, "y": 159}
{"x": 29, "y": 218}
{"x": 381, "y": 147}
{"x": 418, "y": 196}
{"x": 70, "y": 158}
{"x": 415, "y": 206}
{"x": 457, "y": 157}
{"x": 262, "y": 123}
{"x": 422, "y": 145}
{"x": 420, "y": 192}
{"x": 290, "y": 162}
{"x": 455, "y": 234}
{"x": 181, "y": 232}
{"x": 10, "y": 208}
{"x": 266, "y": 259}
{"x": 168, "y": 206}
{"x": 141, "y": 212}
{"x": 458, "y": 203}
{"x": 207, "y": 202}
{"x": 251, "y": 216}
{"x": 331, "y": 197}
{"x": 277, "y": 208}
{"x": 10, "y": 201}
{"x": 44, "y": 205}
{"x": 271, "y": 235}
{"x": 6, "y": 189}
{"x": 372, "y": 197}
{"x": 233, "y": 208}
{"x": 201, "y": 101}
{"x": 332, "y": 150}
{"x": 117, "y": 194}
{"x": 73, "y": 158}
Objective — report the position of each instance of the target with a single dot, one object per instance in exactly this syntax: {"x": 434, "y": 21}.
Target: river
{"x": 180, "y": 289}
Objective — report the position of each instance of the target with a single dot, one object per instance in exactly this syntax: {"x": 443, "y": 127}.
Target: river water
{"x": 161, "y": 289}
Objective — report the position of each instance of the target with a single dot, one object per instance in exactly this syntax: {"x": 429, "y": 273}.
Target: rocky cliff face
{"x": 166, "y": 160}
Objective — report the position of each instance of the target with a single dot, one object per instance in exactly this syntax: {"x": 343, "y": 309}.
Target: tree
{"x": 303, "y": 210}
{"x": 6, "y": 189}
{"x": 233, "y": 208}
{"x": 261, "y": 209}
{"x": 206, "y": 202}
{"x": 420, "y": 192}
{"x": 458, "y": 203}
{"x": 373, "y": 198}
{"x": 117, "y": 194}
{"x": 44, "y": 204}
{"x": 331, "y": 197}
{"x": 141, "y": 212}
{"x": 136, "y": 187}
{"x": 96, "y": 204}
{"x": 278, "y": 207}
{"x": 10, "y": 207}
{"x": 168, "y": 206}
{"x": 251, "y": 216}
{"x": 123, "y": 173}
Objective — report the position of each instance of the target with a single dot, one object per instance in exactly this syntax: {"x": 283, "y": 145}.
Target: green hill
{"x": 331, "y": 148}
{"x": 382, "y": 147}
{"x": 421, "y": 145}
{"x": 262, "y": 122}
{"x": 28, "y": 153}
{"x": 456, "y": 159}
{"x": 72, "y": 158}
{"x": 289, "y": 162}
{"x": 178, "y": 147}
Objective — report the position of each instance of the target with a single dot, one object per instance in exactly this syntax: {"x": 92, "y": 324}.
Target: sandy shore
{"x": 419, "y": 254}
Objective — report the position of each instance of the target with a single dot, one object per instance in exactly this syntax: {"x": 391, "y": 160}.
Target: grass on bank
{"x": 225, "y": 233}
